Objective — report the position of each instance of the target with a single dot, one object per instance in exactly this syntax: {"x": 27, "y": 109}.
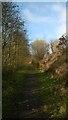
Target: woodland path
{"x": 30, "y": 104}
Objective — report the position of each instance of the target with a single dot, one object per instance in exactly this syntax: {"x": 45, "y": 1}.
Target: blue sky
{"x": 44, "y": 20}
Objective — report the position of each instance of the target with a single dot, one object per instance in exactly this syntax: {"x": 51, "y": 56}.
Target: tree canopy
{"x": 39, "y": 49}
{"x": 14, "y": 38}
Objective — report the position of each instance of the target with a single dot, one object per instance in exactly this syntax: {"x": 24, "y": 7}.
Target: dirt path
{"x": 30, "y": 104}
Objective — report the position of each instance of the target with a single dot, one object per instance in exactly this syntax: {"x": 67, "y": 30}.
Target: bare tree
{"x": 63, "y": 41}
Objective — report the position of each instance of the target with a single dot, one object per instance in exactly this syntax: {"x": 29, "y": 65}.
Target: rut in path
{"x": 30, "y": 104}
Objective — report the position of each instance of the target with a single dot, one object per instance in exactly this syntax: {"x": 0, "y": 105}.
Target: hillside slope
{"x": 56, "y": 64}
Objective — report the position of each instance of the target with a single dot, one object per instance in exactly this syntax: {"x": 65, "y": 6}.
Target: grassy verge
{"x": 12, "y": 88}
{"x": 52, "y": 94}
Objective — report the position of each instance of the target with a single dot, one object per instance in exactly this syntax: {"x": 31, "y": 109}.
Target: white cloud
{"x": 57, "y": 7}
{"x": 32, "y": 17}
{"x": 61, "y": 29}
{"x": 60, "y": 21}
